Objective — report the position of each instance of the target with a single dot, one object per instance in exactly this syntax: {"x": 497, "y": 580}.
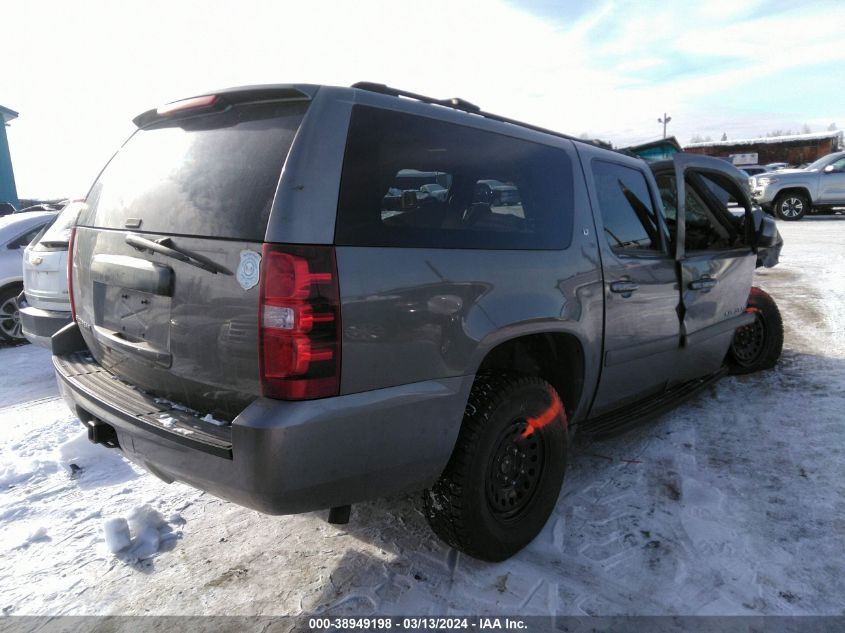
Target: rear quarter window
{"x": 212, "y": 175}
{"x": 417, "y": 182}
{"x": 626, "y": 206}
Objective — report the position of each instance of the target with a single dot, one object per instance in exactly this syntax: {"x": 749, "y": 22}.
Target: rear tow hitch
{"x": 101, "y": 433}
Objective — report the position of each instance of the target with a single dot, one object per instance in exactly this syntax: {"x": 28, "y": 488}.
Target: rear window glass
{"x": 57, "y": 234}
{"x": 417, "y": 182}
{"x": 213, "y": 175}
{"x": 26, "y": 238}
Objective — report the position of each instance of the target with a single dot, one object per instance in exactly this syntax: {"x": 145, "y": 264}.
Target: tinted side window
{"x": 417, "y": 182}
{"x": 704, "y": 231}
{"x": 626, "y": 206}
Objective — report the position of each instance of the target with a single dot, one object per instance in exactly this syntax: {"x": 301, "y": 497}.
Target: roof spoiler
{"x": 219, "y": 101}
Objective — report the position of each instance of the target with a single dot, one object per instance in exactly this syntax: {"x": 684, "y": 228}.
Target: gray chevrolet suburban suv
{"x": 299, "y": 297}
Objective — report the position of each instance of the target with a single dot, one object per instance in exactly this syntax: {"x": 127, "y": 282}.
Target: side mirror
{"x": 767, "y": 231}
{"x": 828, "y": 169}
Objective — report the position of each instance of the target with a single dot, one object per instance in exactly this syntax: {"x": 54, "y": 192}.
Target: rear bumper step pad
{"x": 155, "y": 415}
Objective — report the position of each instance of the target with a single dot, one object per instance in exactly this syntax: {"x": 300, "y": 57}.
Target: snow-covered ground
{"x": 732, "y": 504}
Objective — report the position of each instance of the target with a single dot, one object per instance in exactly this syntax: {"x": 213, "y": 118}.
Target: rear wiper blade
{"x": 164, "y": 246}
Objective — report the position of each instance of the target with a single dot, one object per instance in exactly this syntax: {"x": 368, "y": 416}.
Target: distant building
{"x": 795, "y": 149}
{"x": 8, "y": 192}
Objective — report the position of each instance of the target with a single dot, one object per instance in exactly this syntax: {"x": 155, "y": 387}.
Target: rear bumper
{"x": 282, "y": 457}
{"x": 39, "y": 325}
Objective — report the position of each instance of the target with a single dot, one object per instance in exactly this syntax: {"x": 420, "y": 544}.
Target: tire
{"x": 505, "y": 474}
{"x": 791, "y": 206}
{"x": 757, "y": 346}
{"x": 10, "y": 320}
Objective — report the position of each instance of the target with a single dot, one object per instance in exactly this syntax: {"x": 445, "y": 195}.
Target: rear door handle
{"x": 705, "y": 283}
{"x": 624, "y": 287}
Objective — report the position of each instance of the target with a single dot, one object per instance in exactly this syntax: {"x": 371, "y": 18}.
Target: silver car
{"x": 16, "y": 231}
{"x": 45, "y": 307}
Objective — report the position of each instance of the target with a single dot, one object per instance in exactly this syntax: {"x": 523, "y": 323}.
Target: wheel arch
{"x": 558, "y": 357}
{"x": 10, "y": 282}
{"x": 795, "y": 189}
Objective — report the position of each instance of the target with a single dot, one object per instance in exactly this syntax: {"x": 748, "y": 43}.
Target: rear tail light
{"x": 299, "y": 322}
{"x": 70, "y": 245}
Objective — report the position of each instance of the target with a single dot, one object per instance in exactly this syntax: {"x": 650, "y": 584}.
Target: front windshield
{"x": 819, "y": 163}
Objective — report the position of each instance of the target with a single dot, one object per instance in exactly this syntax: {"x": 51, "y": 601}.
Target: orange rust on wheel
{"x": 554, "y": 411}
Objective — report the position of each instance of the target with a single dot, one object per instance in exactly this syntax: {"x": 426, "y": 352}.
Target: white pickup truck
{"x": 792, "y": 193}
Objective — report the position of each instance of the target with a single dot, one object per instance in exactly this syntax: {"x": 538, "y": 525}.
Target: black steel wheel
{"x": 516, "y": 469}
{"x": 504, "y": 477}
{"x": 749, "y": 341}
{"x": 757, "y": 345}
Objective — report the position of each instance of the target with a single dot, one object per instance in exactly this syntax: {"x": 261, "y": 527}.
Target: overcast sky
{"x": 79, "y": 71}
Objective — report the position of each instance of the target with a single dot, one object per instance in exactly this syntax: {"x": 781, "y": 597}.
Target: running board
{"x": 621, "y": 420}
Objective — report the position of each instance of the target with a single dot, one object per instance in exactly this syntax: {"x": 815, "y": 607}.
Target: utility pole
{"x": 665, "y": 121}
